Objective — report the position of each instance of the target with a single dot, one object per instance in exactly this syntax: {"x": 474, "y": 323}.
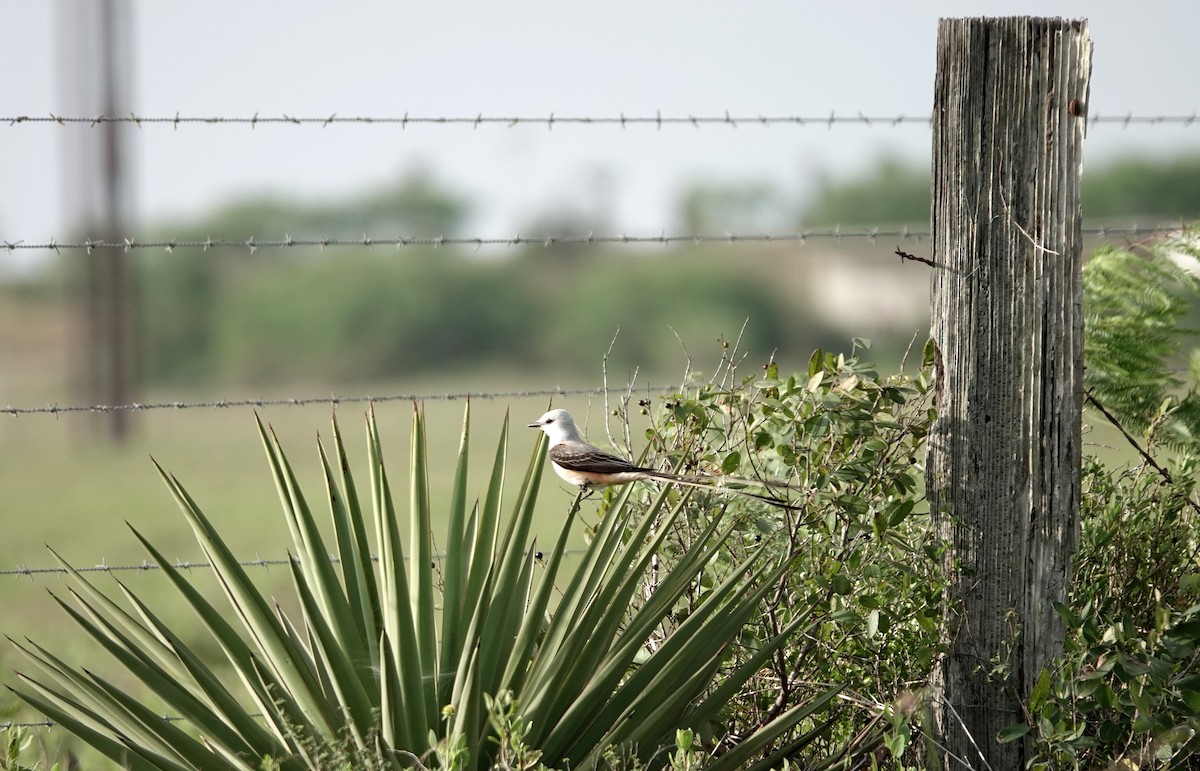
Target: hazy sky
{"x": 227, "y": 58}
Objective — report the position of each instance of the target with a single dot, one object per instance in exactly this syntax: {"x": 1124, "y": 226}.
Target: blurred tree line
{"x": 361, "y": 314}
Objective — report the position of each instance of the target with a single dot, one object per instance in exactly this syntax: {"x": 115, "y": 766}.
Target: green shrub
{"x": 861, "y": 599}
{"x": 1127, "y": 687}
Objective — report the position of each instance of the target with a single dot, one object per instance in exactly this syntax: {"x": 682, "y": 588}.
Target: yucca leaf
{"x": 160, "y": 682}
{"x": 741, "y": 754}
{"x": 150, "y": 732}
{"x": 482, "y": 542}
{"x": 269, "y": 694}
{"x": 320, "y": 575}
{"x": 733, "y": 681}
{"x": 606, "y": 556}
{"x": 67, "y": 712}
{"x": 546, "y": 671}
{"x": 469, "y": 720}
{"x": 599, "y": 711}
{"x": 455, "y": 565}
{"x": 350, "y": 529}
{"x": 509, "y": 590}
{"x": 503, "y": 623}
{"x": 246, "y": 730}
{"x": 595, "y": 564}
{"x": 535, "y": 615}
{"x": 59, "y": 679}
{"x": 594, "y": 668}
{"x": 157, "y": 730}
{"x": 391, "y": 700}
{"x": 164, "y": 684}
{"x": 273, "y": 641}
{"x": 466, "y": 694}
{"x": 696, "y": 646}
{"x": 147, "y": 641}
{"x": 412, "y": 728}
{"x": 420, "y": 565}
{"x": 353, "y": 694}
{"x": 301, "y": 736}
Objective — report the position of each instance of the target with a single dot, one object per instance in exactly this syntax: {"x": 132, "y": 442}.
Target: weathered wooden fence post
{"x": 1010, "y": 107}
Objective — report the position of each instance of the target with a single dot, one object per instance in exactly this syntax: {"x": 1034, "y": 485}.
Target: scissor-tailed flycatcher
{"x": 587, "y": 466}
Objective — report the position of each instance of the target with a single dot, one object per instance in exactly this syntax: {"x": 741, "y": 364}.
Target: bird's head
{"x": 558, "y": 425}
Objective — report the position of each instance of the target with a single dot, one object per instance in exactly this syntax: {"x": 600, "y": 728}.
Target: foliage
{"x": 715, "y": 207}
{"x": 381, "y": 315}
{"x": 860, "y": 602}
{"x": 372, "y": 675}
{"x": 1128, "y": 684}
{"x": 183, "y": 297}
{"x": 1135, "y": 306}
{"x": 17, "y": 747}
{"x": 646, "y": 301}
{"x": 1144, "y": 185}
{"x": 890, "y": 191}
{"x": 894, "y": 190}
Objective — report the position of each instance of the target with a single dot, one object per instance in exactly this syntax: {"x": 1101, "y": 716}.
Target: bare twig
{"x": 1166, "y": 475}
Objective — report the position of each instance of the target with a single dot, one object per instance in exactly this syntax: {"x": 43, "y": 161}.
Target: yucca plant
{"x": 396, "y": 663}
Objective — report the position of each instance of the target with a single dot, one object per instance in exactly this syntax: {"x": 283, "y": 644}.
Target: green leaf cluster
{"x": 1127, "y": 688}
{"x": 1128, "y": 684}
{"x": 1136, "y": 307}
{"x": 862, "y": 595}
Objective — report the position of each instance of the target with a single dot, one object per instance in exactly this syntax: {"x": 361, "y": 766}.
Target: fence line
{"x": 658, "y": 120}
{"x": 547, "y": 240}
{"x": 253, "y": 243}
{"x": 259, "y": 562}
{"x": 9, "y": 725}
{"x": 333, "y": 400}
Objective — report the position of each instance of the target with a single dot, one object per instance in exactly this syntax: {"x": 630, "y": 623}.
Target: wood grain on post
{"x": 1010, "y": 113}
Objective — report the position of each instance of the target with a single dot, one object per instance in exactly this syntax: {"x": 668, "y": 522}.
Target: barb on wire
{"x": 333, "y": 400}
{"x": 658, "y": 120}
{"x": 254, "y": 243}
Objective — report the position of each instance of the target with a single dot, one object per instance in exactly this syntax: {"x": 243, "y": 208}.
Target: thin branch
{"x": 1166, "y": 475}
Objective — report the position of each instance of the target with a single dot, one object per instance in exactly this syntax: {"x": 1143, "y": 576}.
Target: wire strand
{"x": 658, "y": 120}
{"x": 333, "y": 400}
{"x": 258, "y": 562}
{"x": 149, "y": 566}
{"x": 253, "y": 244}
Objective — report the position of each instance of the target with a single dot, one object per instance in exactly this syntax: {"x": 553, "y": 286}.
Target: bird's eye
{"x": 549, "y": 421}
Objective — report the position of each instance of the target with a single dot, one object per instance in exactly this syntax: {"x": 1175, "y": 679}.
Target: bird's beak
{"x": 534, "y": 425}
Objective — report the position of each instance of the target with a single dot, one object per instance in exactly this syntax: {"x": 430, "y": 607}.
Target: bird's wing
{"x": 589, "y": 459}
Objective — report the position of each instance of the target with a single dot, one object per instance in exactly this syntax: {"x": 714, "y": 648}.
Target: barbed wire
{"x": 9, "y": 725}
{"x": 258, "y": 562}
{"x": 333, "y": 400}
{"x": 658, "y": 120}
{"x": 253, "y": 243}
{"x": 547, "y": 240}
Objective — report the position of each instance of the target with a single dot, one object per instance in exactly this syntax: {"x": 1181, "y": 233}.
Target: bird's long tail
{"x": 714, "y": 483}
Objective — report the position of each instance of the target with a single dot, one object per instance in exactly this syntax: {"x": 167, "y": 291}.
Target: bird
{"x": 588, "y": 467}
